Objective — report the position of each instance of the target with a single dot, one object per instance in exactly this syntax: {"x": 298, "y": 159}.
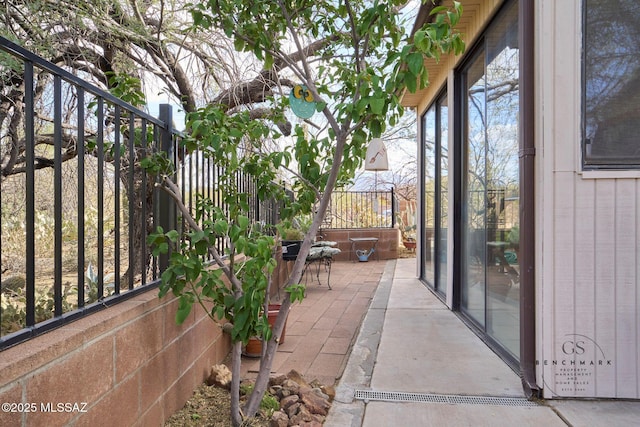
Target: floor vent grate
{"x": 395, "y": 396}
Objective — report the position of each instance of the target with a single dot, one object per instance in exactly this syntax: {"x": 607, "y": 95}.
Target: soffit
{"x": 475, "y": 15}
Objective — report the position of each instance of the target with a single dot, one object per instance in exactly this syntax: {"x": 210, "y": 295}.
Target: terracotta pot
{"x": 272, "y": 314}
{"x": 409, "y": 244}
{"x": 254, "y": 346}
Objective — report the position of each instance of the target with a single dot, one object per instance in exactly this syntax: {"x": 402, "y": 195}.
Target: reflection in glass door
{"x": 435, "y": 195}
{"x": 442, "y": 196}
{"x": 490, "y": 288}
{"x": 428, "y": 196}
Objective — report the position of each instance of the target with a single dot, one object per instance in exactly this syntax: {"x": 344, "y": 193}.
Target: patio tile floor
{"x": 322, "y": 328}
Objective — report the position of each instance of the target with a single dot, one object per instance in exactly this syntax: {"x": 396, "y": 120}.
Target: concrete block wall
{"x": 129, "y": 365}
{"x": 386, "y": 248}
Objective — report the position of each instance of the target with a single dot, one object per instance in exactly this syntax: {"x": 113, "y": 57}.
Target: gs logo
{"x": 573, "y": 347}
{"x": 578, "y": 344}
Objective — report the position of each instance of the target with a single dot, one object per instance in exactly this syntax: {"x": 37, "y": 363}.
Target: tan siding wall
{"x": 587, "y": 238}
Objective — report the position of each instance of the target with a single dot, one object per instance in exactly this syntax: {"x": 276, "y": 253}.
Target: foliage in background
{"x": 13, "y": 299}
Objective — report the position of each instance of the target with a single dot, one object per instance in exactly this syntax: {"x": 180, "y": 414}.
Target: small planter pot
{"x": 272, "y": 315}
{"x": 254, "y": 346}
{"x": 409, "y": 244}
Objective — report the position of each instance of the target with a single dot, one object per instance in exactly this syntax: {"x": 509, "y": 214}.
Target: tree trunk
{"x": 236, "y": 360}
{"x": 253, "y": 403}
{"x": 140, "y": 225}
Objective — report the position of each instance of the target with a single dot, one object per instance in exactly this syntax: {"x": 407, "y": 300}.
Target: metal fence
{"x": 361, "y": 209}
{"x": 75, "y": 206}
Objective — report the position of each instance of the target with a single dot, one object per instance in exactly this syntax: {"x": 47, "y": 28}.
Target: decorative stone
{"x": 303, "y": 415}
{"x": 319, "y": 392}
{"x": 273, "y": 381}
{"x": 294, "y": 409}
{"x": 286, "y": 402}
{"x": 292, "y": 386}
{"x": 302, "y": 403}
{"x": 220, "y": 376}
{"x": 275, "y": 390}
{"x": 284, "y": 392}
{"x": 279, "y": 419}
{"x": 314, "y": 403}
{"x": 330, "y": 391}
{"x": 294, "y": 375}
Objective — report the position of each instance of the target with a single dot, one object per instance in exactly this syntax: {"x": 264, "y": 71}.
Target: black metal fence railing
{"x": 75, "y": 206}
{"x": 361, "y": 209}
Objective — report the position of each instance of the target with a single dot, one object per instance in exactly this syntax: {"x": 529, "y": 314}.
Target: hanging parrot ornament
{"x": 302, "y": 102}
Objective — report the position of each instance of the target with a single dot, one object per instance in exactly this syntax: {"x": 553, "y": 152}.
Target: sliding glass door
{"x": 490, "y": 285}
{"x": 435, "y": 195}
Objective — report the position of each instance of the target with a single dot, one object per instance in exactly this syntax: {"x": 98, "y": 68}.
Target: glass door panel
{"x": 502, "y": 177}
{"x": 474, "y": 193}
{"x": 429, "y": 196}
{"x": 443, "y": 194}
{"x": 490, "y": 288}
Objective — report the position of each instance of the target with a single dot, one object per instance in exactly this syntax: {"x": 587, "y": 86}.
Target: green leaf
{"x": 184, "y": 308}
{"x": 415, "y": 62}
{"x": 238, "y": 44}
{"x": 410, "y": 82}
{"x": 243, "y": 222}
{"x": 162, "y": 248}
{"x": 377, "y": 105}
{"x": 173, "y": 235}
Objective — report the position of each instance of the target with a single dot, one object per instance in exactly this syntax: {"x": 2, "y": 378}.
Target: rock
{"x": 13, "y": 284}
{"x": 319, "y": 392}
{"x": 294, "y": 375}
{"x": 319, "y": 418}
{"x": 284, "y": 392}
{"x": 291, "y": 385}
{"x": 279, "y": 419}
{"x": 220, "y": 376}
{"x": 293, "y": 410}
{"x": 286, "y": 402}
{"x": 273, "y": 381}
{"x": 303, "y": 415}
{"x": 314, "y": 403}
{"x": 302, "y": 403}
{"x": 275, "y": 390}
{"x": 330, "y": 391}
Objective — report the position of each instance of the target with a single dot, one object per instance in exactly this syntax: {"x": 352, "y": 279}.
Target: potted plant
{"x": 408, "y": 232}
{"x": 254, "y": 345}
{"x": 292, "y": 236}
{"x": 408, "y": 237}
{"x": 291, "y": 242}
